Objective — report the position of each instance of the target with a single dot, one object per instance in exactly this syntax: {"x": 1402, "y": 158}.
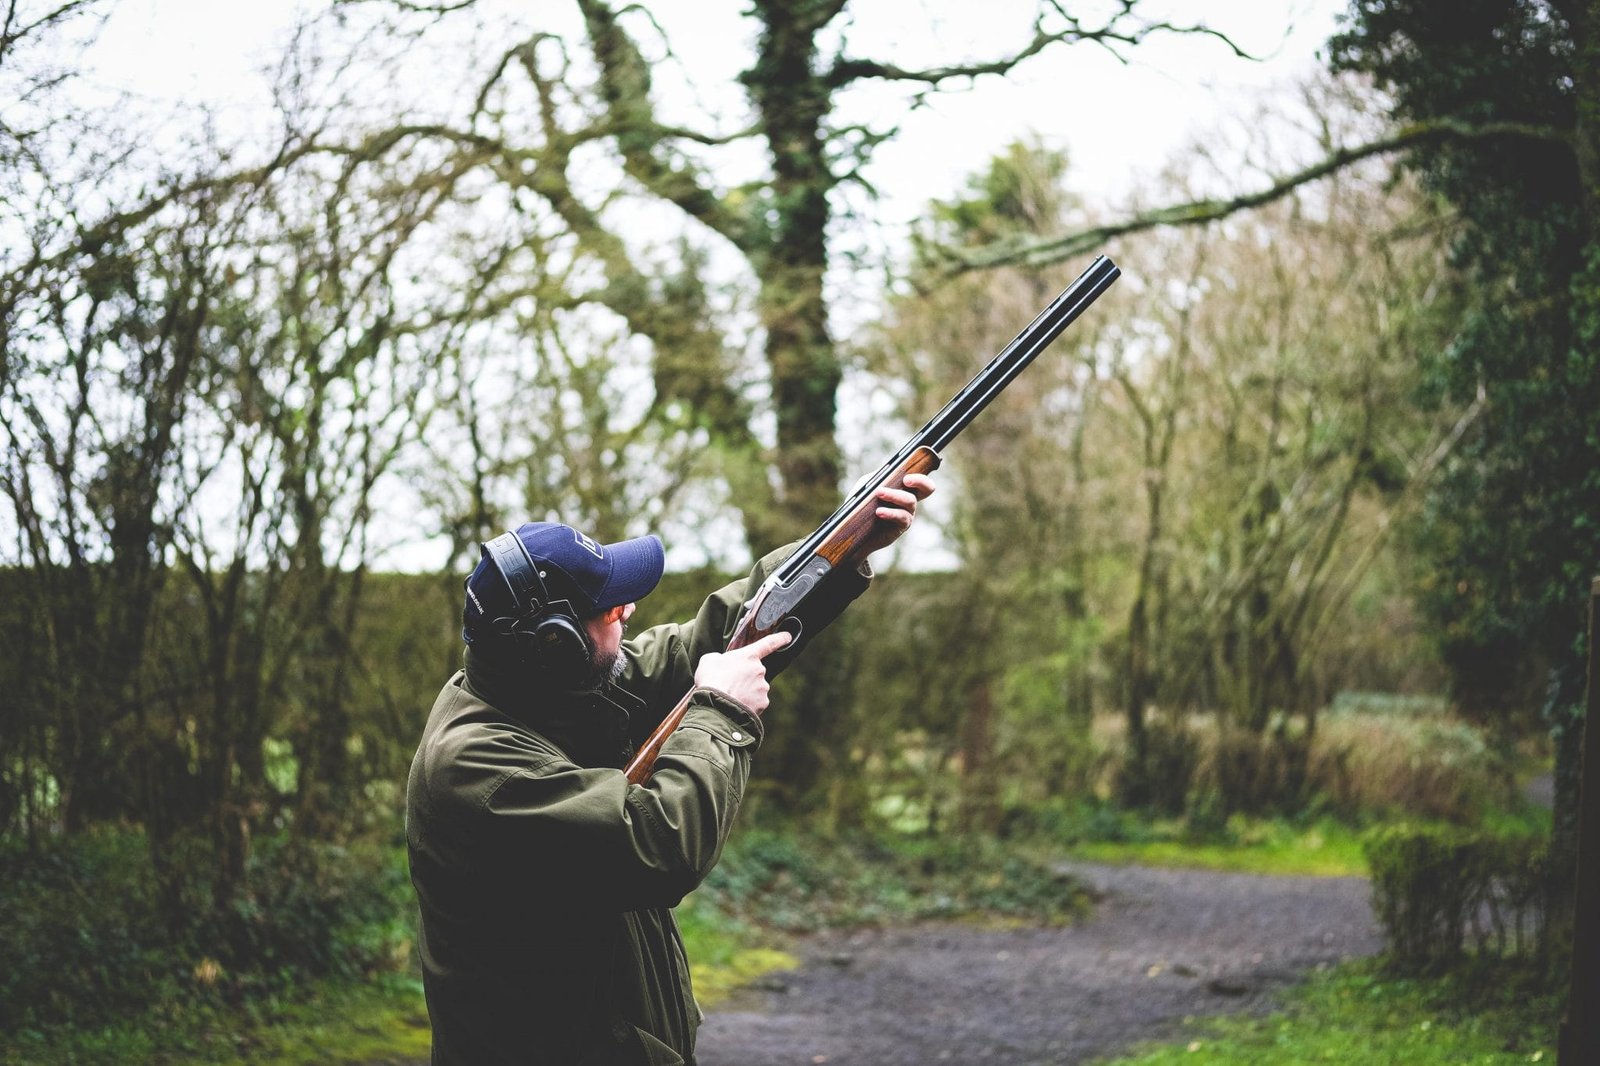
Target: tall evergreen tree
{"x": 1516, "y": 526}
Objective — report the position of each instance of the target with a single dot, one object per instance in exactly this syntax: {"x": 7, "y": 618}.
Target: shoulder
{"x": 471, "y": 747}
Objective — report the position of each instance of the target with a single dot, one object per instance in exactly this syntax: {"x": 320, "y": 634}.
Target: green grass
{"x": 1356, "y": 1014}
{"x": 725, "y": 953}
{"x": 1326, "y": 848}
{"x": 382, "y": 1021}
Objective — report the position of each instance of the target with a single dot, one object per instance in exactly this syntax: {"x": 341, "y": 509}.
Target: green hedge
{"x": 1442, "y": 892}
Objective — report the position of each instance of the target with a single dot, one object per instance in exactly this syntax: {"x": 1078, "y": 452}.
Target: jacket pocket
{"x": 655, "y": 1052}
{"x": 625, "y": 1044}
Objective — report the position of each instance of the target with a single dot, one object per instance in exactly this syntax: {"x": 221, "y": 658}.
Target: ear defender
{"x": 547, "y": 634}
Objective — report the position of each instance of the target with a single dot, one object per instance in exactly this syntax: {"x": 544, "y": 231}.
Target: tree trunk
{"x": 793, "y": 102}
{"x": 980, "y": 796}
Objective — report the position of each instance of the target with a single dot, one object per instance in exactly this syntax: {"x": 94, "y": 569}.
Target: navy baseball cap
{"x": 574, "y": 567}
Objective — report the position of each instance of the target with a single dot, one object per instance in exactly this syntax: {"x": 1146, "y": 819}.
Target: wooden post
{"x": 1580, "y": 1030}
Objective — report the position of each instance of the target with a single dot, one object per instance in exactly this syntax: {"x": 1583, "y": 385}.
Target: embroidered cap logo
{"x": 589, "y": 544}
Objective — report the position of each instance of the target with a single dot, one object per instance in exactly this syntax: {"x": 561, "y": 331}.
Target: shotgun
{"x": 834, "y": 543}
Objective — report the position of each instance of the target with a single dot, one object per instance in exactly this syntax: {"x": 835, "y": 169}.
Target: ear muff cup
{"x": 560, "y": 648}
{"x": 548, "y": 637}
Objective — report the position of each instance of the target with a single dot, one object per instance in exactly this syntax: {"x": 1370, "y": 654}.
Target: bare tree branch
{"x": 414, "y": 6}
{"x": 625, "y": 89}
{"x": 12, "y": 30}
{"x": 1038, "y": 253}
{"x": 1110, "y": 35}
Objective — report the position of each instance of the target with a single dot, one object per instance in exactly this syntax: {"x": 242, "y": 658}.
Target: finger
{"x": 921, "y": 484}
{"x": 895, "y": 515}
{"x": 768, "y": 644}
{"x": 898, "y": 498}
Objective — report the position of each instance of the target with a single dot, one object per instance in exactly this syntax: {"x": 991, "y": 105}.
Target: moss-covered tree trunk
{"x": 792, "y": 103}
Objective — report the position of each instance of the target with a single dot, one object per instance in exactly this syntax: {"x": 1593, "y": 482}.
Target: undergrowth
{"x": 788, "y": 881}
{"x": 94, "y": 935}
{"x": 1322, "y": 847}
{"x": 299, "y": 965}
{"x": 332, "y": 1021}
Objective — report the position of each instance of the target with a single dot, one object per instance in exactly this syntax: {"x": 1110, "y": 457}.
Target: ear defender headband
{"x": 546, "y": 631}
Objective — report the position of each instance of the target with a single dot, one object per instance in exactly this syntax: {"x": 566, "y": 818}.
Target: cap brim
{"x": 636, "y": 569}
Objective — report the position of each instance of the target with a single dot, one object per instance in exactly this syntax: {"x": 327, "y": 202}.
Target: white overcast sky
{"x": 1118, "y": 121}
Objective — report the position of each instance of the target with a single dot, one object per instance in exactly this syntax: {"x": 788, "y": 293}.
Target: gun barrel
{"x": 1015, "y": 357}
{"x": 988, "y": 383}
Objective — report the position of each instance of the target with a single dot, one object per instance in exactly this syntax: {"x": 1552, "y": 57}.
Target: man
{"x": 545, "y": 879}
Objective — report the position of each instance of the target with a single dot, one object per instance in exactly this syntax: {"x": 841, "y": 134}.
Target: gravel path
{"x": 1162, "y": 945}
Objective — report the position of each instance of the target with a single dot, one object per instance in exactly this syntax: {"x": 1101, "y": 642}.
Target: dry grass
{"x": 1431, "y": 767}
{"x": 1367, "y": 757}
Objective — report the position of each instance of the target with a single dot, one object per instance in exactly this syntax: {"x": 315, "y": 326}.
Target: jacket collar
{"x": 591, "y": 727}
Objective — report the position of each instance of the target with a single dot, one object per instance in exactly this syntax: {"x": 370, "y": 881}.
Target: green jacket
{"x": 545, "y": 879}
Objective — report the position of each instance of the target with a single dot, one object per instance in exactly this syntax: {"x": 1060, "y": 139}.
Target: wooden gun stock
{"x": 643, "y": 763}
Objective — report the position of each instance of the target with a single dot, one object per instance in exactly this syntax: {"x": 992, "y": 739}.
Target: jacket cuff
{"x": 734, "y": 723}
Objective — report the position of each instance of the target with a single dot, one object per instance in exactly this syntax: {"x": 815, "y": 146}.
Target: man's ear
{"x": 613, "y": 614}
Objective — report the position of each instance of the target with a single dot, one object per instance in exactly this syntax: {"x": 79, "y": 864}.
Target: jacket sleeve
{"x": 600, "y": 841}
{"x": 659, "y": 664}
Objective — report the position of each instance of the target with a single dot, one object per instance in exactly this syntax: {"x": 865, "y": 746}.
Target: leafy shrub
{"x": 793, "y": 883}
{"x": 1442, "y": 891}
{"x": 319, "y": 910}
{"x": 90, "y": 935}
{"x": 83, "y": 931}
{"x": 1164, "y": 782}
